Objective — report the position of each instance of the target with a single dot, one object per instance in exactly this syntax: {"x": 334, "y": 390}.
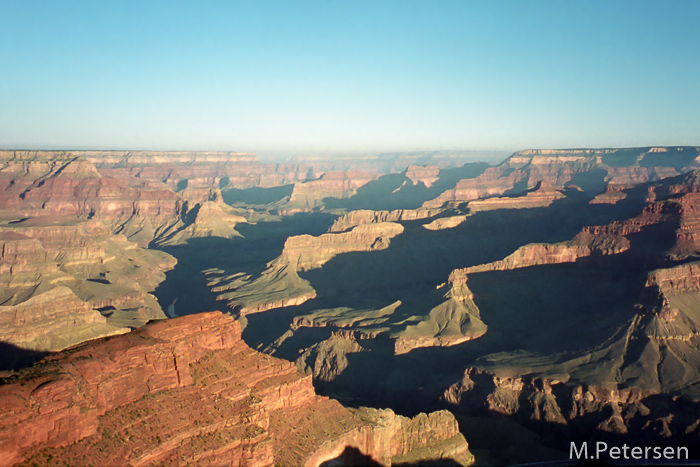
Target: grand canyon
{"x": 416, "y": 308}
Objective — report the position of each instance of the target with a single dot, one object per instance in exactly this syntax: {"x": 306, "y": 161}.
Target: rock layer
{"x": 589, "y": 169}
{"x": 279, "y": 285}
{"x": 188, "y": 390}
{"x": 65, "y": 281}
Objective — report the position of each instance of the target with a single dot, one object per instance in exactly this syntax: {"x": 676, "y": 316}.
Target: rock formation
{"x": 386, "y": 163}
{"x": 69, "y": 280}
{"x": 542, "y": 195}
{"x": 279, "y": 285}
{"x": 188, "y": 390}
{"x": 308, "y": 195}
{"x": 561, "y": 413}
{"x": 64, "y": 183}
{"x": 195, "y": 168}
{"x": 589, "y": 169}
{"x": 366, "y": 216}
{"x": 565, "y": 312}
{"x": 619, "y": 382}
{"x": 425, "y": 174}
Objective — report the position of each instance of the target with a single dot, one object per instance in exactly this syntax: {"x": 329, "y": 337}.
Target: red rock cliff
{"x": 187, "y": 391}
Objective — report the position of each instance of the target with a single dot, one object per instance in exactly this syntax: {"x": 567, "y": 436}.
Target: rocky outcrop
{"x": 542, "y": 195}
{"x": 452, "y": 322}
{"x": 490, "y": 183}
{"x": 425, "y": 174}
{"x": 549, "y": 405}
{"x": 188, "y": 390}
{"x": 279, "y": 285}
{"x": 327, "y": 359}
{"x": 632, "y": 175}
{"x": 367, "y": 216}
{"x": 442, "y": 223}
{"x": 205, "y": 219}
{"x": 582, "y": 246}
{"x": 681, "y": 279}
{"x": 616, "y": 387}
{"x": 561, "y": 413}
{"x": 64, "y": 281}
{"x": 52, "y": 320}
{"x": 427, "y": 438}
{"x": 309, "y": 252}
{"x": 309, "y": 195}
{"x": 676, "y": 213}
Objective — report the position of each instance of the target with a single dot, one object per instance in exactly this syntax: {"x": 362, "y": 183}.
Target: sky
{"x": 333, "y": 76}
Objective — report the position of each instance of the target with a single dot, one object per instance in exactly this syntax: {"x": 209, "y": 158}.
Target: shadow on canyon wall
{"x": 353, "y": 457}
{"x": 540, "y": 310}
{"x": 256, "y": 195}
{"x": 554, "y": 311}
{"x": 14, "y": 358}
{"x": 397, "y": 191}
{"x": 185, "y": 286}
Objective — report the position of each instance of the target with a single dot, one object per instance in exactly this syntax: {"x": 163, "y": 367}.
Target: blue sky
{"x": 348, "y": 76}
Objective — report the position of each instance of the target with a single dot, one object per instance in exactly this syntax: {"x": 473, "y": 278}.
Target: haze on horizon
{"x": 277, "y": 77}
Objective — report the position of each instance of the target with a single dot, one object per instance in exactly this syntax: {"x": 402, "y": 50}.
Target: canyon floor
{"x": 400, "y": 309}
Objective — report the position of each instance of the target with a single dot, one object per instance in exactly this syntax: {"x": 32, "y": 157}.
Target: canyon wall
{"x": 589, "y": 169}
{"x": 188, "y": 390}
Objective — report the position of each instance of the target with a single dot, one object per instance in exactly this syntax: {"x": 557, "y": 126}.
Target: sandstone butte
{"x": 189, "y": 391}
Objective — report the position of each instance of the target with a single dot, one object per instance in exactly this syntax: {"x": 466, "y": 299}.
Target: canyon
{"x": 427, "y": 298}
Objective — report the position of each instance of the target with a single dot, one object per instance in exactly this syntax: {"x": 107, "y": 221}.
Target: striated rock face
{"x": 395, "y": 162}
{"x": 425, "y": 174}
{"x": 195, "y": 168}
{"x": 681, "y": 279}
{"x": 279, "y": 285}
{"x": 309, "y": 195}
{"x": 308, "y": 252}
{"x": 189, "y": 391}
{"x": 677, "y": 216}
{"x": 589, "y": 169}
{"x": 490, "y": 183}
{"x": 561, "y": 413}
{"x": 64, "y": 281}
{"x": 427, "y": 438}
{"x": 636, "y": 174}
{"x": 534, "y": 254}
{"x": 66, "y": 184}
{"x": 52, "y": 320}
{"x": 542, "y": 195}
{"x": 366, "y": 216}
